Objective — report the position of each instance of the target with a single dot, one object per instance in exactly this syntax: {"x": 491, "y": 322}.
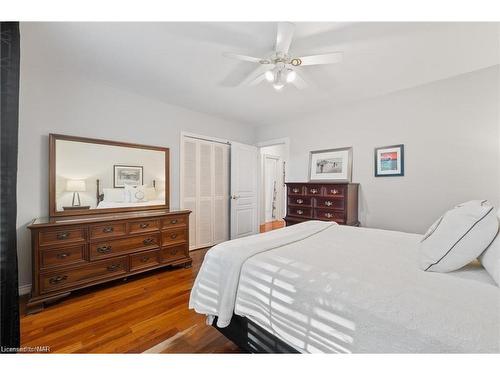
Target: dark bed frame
{"x": 251, "y": 338}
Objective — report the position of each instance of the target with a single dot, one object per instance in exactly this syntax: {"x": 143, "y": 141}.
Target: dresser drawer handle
{"x": 113, "y": 267}
{"x": 314, "y": 191}
{"x": 144, "y": 225}
{"x": 63, "y": 255}
{"x": 57, "y": 279}
{"x": 328, "y": 215}
{"x": 173, "y": 235}
{"x": 173, "y": 251}
{"x": 328, "y": 203}
{"x": 295, "y": 190}
{"x": 300, "y": 212}
{"x": 300, "y": 201}
{"x": 104, "y": 249}
{"x": 62, "y": 235}
{"x": 334, "y": 191}
{"x": 148, "y": 241}
{"x": 144, "y": 259}
{"x": 174, "y": 221}
{"x": 108, "y": 229}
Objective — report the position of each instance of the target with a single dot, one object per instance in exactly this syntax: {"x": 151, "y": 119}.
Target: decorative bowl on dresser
{"x": 322, "y": 201}
{"x": 76, "y": 252}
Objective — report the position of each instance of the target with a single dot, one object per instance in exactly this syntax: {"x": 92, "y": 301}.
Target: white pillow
{"x": 135, "y": 193}
{"x": 114, "y": 195}
{"x": 458, "y": 237}
{"x": 490, "y": 258}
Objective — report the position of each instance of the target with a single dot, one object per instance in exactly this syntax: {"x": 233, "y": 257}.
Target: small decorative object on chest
{"x": 322, "y": 201}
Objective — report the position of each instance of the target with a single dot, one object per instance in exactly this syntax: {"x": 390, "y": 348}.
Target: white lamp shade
{"x": 75, "y": 185}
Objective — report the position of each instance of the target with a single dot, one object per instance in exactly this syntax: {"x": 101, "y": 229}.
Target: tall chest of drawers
{"x": 72, "y": 253}
{"x": 322, "y": 201}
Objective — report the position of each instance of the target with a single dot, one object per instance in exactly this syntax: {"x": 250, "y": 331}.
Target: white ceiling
{"x": 182, "y": 63}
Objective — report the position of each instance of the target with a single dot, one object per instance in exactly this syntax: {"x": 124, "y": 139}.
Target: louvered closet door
{"x": 205, "y": 191}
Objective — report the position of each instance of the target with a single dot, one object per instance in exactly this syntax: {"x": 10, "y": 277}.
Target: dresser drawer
{"x": 143, "y": 226}
{"x": 144, "y": 259}
{"x": 62, "y": 256}
{"x": 73, "y": 276}
{"x": 332, "y": 203}
{"x": 334, "y": 190}
{"x": 299, "y": 201}
{"x": 324, "y": 214}
{"x": 173, "y": 236}
{"x": 113, "y": 248}
{"x": 299, "y": 211}
{"x": 296, "y": 189}
{"x": 168, "y": 254}
{"x": 313, "y": 190}
{"x": 62, "y": 236}
{"x": 174, "y": 221}
{"x": 107, "y": 230}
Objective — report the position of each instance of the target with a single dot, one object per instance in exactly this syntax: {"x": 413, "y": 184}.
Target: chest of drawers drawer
{"x": 143, "y": 226}
{"x": 107, "y": 230}
{"x": 50, "y": 257}
{"x": 334, "y": 191}
{"x": 171, "y": 253}
{"x": 324, "y": 214}
{"x": 299, "y": 201}
{"x": 145, "y": 259}
{"x": 332, "y": 203}
{"x": 69, "y": 277}
{"x": 106, "y": 249}
{"x": 174, "y": 221}
{"x": 296, "y": 189}
{"x": 299, "y": 211}
{"x": 173, "y": 236}
{"x": 62, "y": 236}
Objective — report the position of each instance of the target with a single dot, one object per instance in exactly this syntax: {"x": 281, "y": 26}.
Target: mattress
{"x": 359, "y": 290}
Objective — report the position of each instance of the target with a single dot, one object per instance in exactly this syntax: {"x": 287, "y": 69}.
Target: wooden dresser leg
{"x": 34, "y": 307}
{"x": 188, "y": 264}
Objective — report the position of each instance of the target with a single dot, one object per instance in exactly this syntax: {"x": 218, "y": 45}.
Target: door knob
{"x": 234, "y": 196}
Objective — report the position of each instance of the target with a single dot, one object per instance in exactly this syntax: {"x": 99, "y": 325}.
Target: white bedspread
{"x": 214, "y": 289}
{"x": 104, "y": 204}
{"x": 346, "y": 289}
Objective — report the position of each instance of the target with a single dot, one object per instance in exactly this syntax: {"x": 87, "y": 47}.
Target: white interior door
{"x": 244, "y": 190}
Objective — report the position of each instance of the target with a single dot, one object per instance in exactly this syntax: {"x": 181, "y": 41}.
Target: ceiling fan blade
{"x": 328, "y": 58}
{"x": 284, "y": 37}
{"x": 246, "y": 58}
{"x": 299, "y": 82}
{"x": 256, "y": 75}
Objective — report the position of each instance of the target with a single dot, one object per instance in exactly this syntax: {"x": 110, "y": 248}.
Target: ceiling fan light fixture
{"x": 269, "y": 76}
{"x": 278, "y": 86}
{"x": 291, "y": 75}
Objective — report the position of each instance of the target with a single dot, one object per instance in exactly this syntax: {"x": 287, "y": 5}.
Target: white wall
{"x": 450, "y": 131}
{"x": 57, "y": 103}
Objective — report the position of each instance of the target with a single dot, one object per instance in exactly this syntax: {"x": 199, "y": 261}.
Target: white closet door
{"x": 205, "y": 191}
{"x": 189, "y": 192}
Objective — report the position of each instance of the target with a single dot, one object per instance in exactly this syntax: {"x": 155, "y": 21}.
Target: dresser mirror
{"x": 91, "y": 176}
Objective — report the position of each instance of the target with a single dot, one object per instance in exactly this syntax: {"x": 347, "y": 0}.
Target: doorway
{"x": 274, "y": 157}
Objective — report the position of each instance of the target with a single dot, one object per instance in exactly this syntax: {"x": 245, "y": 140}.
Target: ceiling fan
{"x": 280, "y": 68}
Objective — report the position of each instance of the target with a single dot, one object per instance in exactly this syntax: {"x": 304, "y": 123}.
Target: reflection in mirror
{"x": 101, "y": 176}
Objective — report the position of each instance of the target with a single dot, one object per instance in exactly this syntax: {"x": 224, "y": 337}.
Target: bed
{"x": 321, "y": 287}
{"x": 155, "y": 202}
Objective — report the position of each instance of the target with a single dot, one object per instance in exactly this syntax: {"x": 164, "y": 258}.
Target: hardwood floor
{"x": 146, "y": 313}
{"x": 271, "y": 225}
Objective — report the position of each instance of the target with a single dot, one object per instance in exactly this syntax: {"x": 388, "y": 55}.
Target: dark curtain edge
{"x": 9, "y": 116}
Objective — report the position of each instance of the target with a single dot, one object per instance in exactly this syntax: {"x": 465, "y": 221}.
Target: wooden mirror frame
{"x": 52, "y": 176}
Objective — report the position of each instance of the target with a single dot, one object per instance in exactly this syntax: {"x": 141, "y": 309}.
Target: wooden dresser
{"x": 322, "y": 201}
{"x": 71, "y": 253}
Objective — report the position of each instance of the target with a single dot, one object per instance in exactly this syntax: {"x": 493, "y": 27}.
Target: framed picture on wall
{"x": 390, "y": 161}
{"x": 331, "y": 165}
{"x": 127, "y": 175}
